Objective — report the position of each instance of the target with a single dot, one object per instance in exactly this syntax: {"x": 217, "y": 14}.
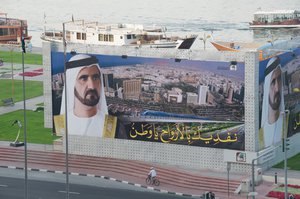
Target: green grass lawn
{"x": 36, "y": 133}
{"x": 293, "y": 163}
{"x": 15, "y": 89}
{"x": 16, "y": 57}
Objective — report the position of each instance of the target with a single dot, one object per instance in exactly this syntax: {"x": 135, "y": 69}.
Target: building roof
{"x": 277, "y": 12}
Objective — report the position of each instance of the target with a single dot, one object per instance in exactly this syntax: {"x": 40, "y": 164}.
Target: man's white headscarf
{"x": 271, "y": 66}
{"x": 74, "y": 66}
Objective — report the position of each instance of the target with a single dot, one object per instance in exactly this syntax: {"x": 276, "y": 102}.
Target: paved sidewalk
{"x": 293, "y": 176}
{"x": 35, "y": 50}
{"x": 31, "y": 104}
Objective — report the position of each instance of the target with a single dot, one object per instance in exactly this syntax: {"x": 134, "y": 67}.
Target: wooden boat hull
{"x": 221, "y": 47}
{"x": 274, "y": 26}
{"x": 12, "y": 29}
{"x": 239, "y": 46}
{"x": 279, "y": 19}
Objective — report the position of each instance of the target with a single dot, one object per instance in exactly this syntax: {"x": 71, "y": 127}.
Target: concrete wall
{"x": 48, "y": 119}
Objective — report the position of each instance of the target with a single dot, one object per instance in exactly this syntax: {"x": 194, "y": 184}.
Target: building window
{"x": 78, "y": 35}
{"x": 111, "y": 38}
{"x": 12, "y": 31}
{"x": 83, "y": 36}
{"x": 101, "y": 37}
{"x": 105, "y": 37}
{"x": 3, "y": 31}
{"x": 128, "y": 36}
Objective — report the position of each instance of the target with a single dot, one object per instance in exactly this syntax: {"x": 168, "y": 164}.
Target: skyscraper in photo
{"x": 202, "y": 94}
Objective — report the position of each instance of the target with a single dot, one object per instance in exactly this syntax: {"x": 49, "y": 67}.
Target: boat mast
{"x": 45, "y": 22}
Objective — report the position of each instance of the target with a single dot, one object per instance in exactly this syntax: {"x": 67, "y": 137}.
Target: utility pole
{"x": 66, "y": 119}
{"x": 228, "y": 169}
{"x": 24, "y": 111}
{"x": 285, "y": 148}
{"x": 66, "y": 108}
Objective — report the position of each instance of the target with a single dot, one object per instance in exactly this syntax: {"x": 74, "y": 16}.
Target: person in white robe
{"x": 86, "y": 102}
{"x": 271, "y": 130}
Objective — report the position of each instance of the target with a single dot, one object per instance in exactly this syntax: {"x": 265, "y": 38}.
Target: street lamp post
{"x": 24, "y": 113}
{"x": 228, "y": 169}
{"x": 66, "y": 114}
{"x": 285, "y": 128}
{"x": 16, "y": 143}
{"x": 253, "y": 184}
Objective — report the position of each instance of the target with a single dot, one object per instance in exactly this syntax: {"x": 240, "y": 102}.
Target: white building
{"x": 175, "y": 95}
{"x": 202, "y": 94}
{"x": 191, "y": 98}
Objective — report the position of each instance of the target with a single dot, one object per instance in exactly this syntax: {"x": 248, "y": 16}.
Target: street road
{"x": 51, "y": 186}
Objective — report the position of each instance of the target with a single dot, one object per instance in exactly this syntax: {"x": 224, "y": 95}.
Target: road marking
{"x": 70, "y": 192}
{"x": 3, "y": 185}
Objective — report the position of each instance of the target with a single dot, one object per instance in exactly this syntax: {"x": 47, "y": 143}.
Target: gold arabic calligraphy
{"x": 296, "y": 122}
{"x": 179, "y": 133}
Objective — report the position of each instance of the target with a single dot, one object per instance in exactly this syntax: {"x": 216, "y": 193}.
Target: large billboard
{"x": 279, "y": 89}
{"x": 176, "y": 101}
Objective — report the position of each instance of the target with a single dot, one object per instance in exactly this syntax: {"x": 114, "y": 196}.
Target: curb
{"x": 280, "y": 180}
{"x": 104, "y": 177}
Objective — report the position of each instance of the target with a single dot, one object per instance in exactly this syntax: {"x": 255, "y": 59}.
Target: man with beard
{"x": 86, "y": 103}
{"x": 273, "y": 104}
